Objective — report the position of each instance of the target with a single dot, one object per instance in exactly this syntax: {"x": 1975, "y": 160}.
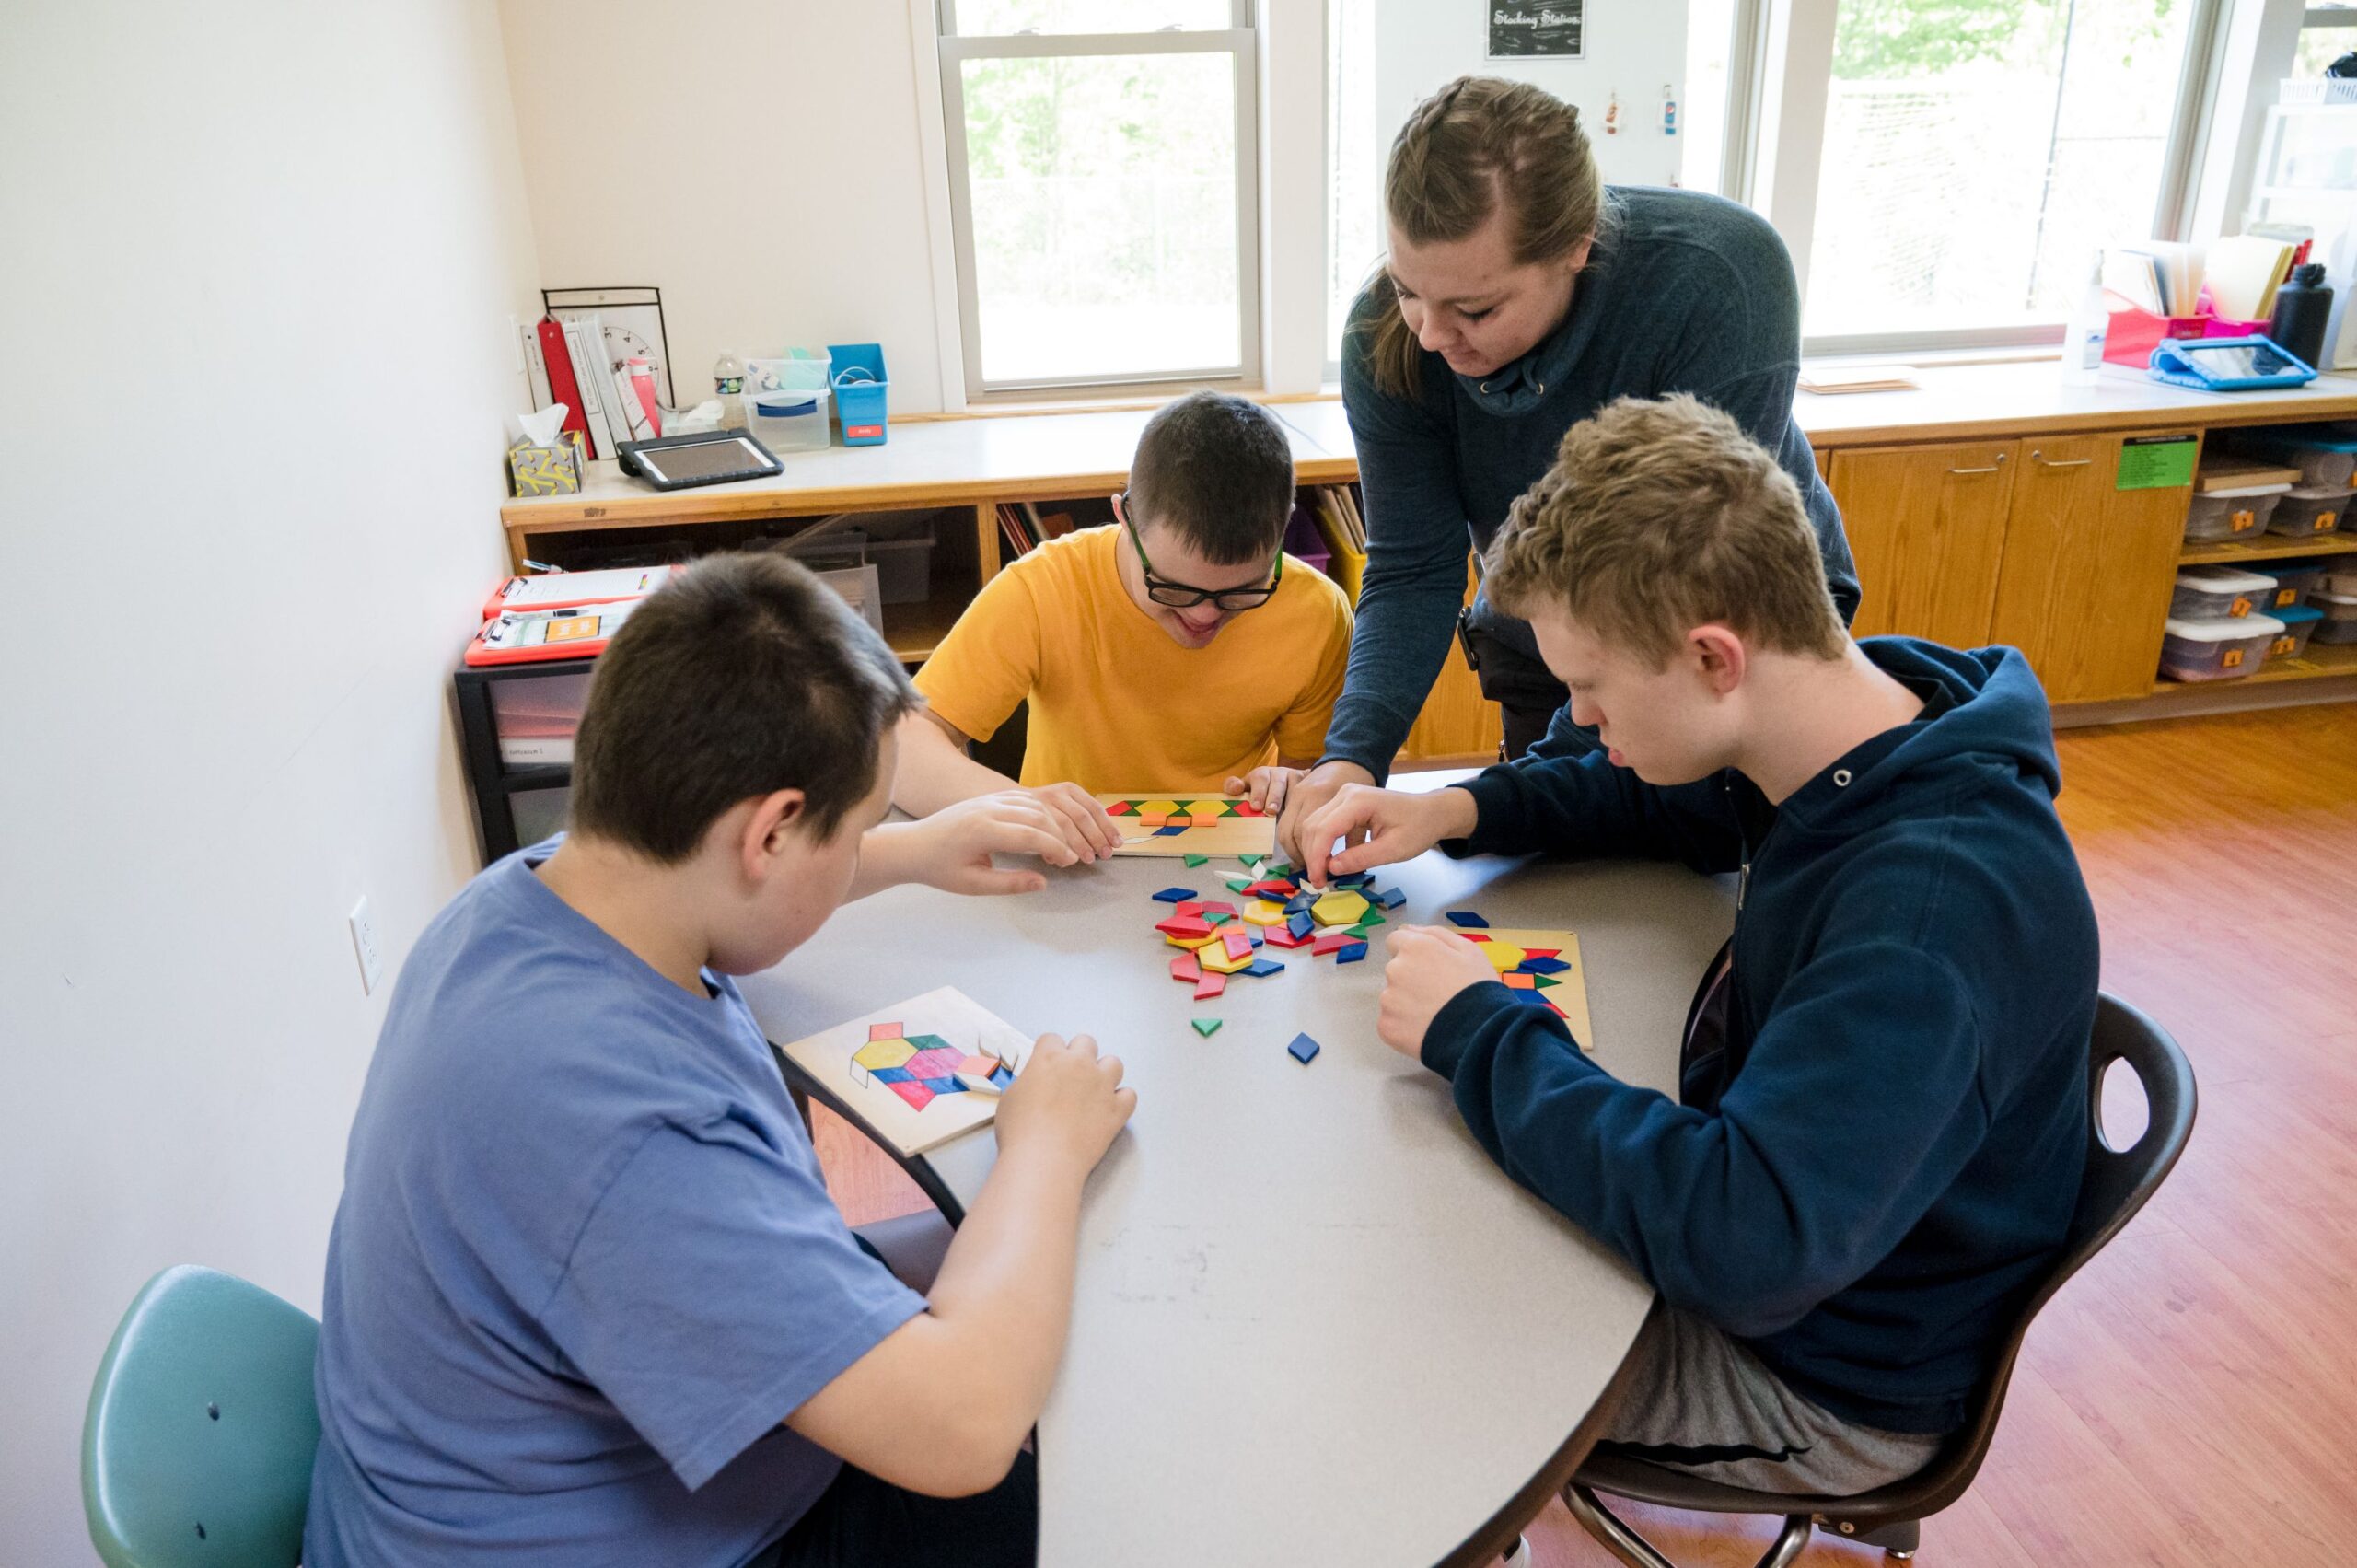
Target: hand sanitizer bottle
{"x": 2083, "y": 337}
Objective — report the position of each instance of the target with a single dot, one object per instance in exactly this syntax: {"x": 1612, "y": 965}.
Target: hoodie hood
{"x": 1987, "y": 725}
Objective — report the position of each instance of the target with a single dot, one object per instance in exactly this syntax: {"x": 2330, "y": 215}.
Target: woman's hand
{"x": 1430, "y": 965}
{"x": 1306, "y": 795}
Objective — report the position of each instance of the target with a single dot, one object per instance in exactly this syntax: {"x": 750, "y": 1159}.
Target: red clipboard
{"x": 524, "y": 636}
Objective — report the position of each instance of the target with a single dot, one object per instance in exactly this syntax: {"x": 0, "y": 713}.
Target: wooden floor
{"x": 2191, "y": 1398}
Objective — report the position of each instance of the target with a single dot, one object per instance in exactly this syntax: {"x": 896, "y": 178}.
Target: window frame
{"x": 1240, "y": 43}
{"x": 1776, "y": 148}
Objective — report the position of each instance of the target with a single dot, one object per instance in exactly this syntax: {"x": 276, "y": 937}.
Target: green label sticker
{"x": 2157, "y": 462}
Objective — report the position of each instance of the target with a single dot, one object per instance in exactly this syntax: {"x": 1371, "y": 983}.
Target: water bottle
{"x": 2085, "y": 335}
{"x": 2302, "y": 307}
{"x": 728, "y": 375}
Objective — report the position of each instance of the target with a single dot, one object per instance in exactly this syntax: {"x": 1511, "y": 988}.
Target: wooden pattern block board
{"x": 1180, "y": 825}
{"x": 1542, "y": 968}
{"x": 879, "y": 1062}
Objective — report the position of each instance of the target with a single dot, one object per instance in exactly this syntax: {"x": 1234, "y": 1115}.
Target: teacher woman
{"x": 1519, "y": 297}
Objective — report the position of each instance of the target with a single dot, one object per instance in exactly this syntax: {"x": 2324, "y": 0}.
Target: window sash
{"x": 1236, "y": 42}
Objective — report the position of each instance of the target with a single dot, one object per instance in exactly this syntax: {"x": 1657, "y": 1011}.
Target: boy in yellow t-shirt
{"x": 1176, "y": 649}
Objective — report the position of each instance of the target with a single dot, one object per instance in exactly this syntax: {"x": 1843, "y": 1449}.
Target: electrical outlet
{"x": 364, "y": 944}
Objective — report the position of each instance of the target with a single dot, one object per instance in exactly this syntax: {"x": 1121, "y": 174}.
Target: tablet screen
{"x": 2239, "y": 362}
{"x": 704, "y": 459}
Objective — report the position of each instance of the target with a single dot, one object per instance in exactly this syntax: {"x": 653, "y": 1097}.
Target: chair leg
{"x": 1900, "y": 1540}
{"x": 1615, "y": 1535}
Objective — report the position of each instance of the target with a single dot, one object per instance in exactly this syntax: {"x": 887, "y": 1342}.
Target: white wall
{"x": 258, "y": 266}
{"x": 757, "y": 161}
{"x": 1633, "y": 47}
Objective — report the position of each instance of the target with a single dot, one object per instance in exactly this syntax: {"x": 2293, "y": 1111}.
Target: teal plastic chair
{"x": 196, "y": 1450}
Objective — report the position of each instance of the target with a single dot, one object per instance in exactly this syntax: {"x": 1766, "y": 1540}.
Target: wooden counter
{"x": 1979, "y": 506}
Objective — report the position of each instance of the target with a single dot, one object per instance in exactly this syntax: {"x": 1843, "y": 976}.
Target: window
{"x": 1353, "y": 173}
{"x": 1102, "y": 194}
{"x": 1975, "y": 154}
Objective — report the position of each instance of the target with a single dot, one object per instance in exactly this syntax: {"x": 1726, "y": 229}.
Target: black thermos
{"x": 2300, "y": 307}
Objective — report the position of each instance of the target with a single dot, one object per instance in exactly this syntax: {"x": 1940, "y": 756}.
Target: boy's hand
{"x": 1065, "y": 1104}
{"x": 1263, "y": 785}
{"x": 951, "y": 849}
{"x": 1429, "y": 965}
{"x": 1309, "y": 794}
{"x": 1079, "y": 820}
{"x": 1383, "y": 826}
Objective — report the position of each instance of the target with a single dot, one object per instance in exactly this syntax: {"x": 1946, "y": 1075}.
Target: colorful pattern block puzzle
{"x": 1201, "y": 826}
{"x": 918, "y": 1074}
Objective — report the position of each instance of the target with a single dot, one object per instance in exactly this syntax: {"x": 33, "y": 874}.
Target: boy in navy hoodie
{"x": 1879, "y": 1131}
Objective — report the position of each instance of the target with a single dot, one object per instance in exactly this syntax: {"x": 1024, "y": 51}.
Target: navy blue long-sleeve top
{"x": 1685, "y": 293}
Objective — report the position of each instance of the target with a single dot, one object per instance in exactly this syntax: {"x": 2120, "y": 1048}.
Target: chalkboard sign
{"x": 1522, "y": 33}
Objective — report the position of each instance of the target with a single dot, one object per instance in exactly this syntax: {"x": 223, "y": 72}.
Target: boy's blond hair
{"x": 1659, "y": 517}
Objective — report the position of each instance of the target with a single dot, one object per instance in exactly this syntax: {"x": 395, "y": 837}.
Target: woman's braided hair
{"x": 1479, "y": 140}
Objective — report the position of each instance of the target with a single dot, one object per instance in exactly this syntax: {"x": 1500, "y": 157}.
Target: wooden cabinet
{"x": 1927, "y": 528}
{"x": 2088, "y": 569}
{"x": 2028, "y": 542}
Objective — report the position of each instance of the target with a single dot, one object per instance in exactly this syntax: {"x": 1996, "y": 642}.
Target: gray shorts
{"x": 1702, "y": 1402}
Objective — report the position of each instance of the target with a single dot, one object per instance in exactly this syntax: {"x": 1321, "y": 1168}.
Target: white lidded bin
{"x": 2339, "y": 623}
{"x": 2217, "y": 650}
{"x": 2336, "y": 575}
{"x": 788, "y": 419}
{"x": 2231, "y": 513}
{"x": 2213, "y": 593}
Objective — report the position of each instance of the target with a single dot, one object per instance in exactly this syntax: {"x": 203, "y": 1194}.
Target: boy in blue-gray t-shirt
{"x": 587, "y": 1300}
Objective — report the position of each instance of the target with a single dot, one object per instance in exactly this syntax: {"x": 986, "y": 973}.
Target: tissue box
{"x": 545, "y": 471}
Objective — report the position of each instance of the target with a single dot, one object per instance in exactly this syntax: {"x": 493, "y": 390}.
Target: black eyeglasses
{"x": 1186, "y": 596}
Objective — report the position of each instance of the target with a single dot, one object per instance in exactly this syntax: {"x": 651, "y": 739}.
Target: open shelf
{"x": 2268, "y": 547}
{"x": 2319, "y": 662}
{"x": 915, "y": 629}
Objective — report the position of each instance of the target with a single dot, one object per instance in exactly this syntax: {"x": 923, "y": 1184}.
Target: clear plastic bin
{"x": 2326, "y": 459}
{"x": 2217, "y": 650}
{"x": 788, "y": 419}
{"x": 2292, "y": 582}
{"x": 2217, "y": 593}
{"x": 2309, "y": 509}
{"x": 2335, "y": 575}
{"x": 2299, "y": 625}
{"x": 2339, "y": 617}
{"x": 2231, "y": 513}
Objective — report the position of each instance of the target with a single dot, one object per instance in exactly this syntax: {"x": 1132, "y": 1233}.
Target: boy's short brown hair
{"x": 1659, "y": 517}
{"x": 1215, "y": 469}
{"x": 743, "y": 676}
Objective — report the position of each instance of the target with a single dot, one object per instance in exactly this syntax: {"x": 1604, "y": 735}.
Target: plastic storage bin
{"x": 2335, "y": 575}
{"x": 2292, "y": 582}
{"x": 2326, "y": 456}
{"x": 787, "y": 420}
{"x": 2217, "y": 650}
{"x": 2231, "y": 513}
{"x": 2216, "y": 593}
{"x": 2309, "y": 509}
{"x": 2299, "y": 625}
{"x": 860, "y": 387}
{"x": 2339, "y": 617}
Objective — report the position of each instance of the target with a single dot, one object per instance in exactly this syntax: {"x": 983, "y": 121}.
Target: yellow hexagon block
{"x": 1215, "y": 960}
{"x": 1502, "y": 955}
{"x": 1342, "y": 907}
{"x": 1260, "y": 911}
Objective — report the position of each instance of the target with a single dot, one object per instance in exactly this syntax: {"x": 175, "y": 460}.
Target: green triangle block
{"x": 1236, "y": 884}
{"x": 1216, "y": 916}
{"x": 1372, "y": 917}
{"x": 1195, "y": 860}
{"x": 1205, "y": 1026}
{"x": 1363, "y": 932}
{"x": 1252, "y": 860}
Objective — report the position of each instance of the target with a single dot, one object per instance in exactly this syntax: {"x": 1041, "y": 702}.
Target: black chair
{"x": 2116, "y": 1185}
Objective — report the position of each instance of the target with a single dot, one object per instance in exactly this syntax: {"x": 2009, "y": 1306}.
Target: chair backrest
{"x": 2115, "y": 1184}
{"x": 197, "y": 1443}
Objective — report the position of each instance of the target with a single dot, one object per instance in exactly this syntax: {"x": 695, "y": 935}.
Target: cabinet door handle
{"x": 1992, "y": 468}
{"x": 2038, "y": 457}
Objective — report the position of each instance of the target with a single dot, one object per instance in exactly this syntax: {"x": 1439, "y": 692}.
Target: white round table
{"x": 1313, "y": 1322}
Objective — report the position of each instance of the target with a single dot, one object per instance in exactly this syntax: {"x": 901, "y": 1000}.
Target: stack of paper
{"x": 1828, "y": 379}
{"x": 2158, "y": 277}
{"x": 2245, "y": 271}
